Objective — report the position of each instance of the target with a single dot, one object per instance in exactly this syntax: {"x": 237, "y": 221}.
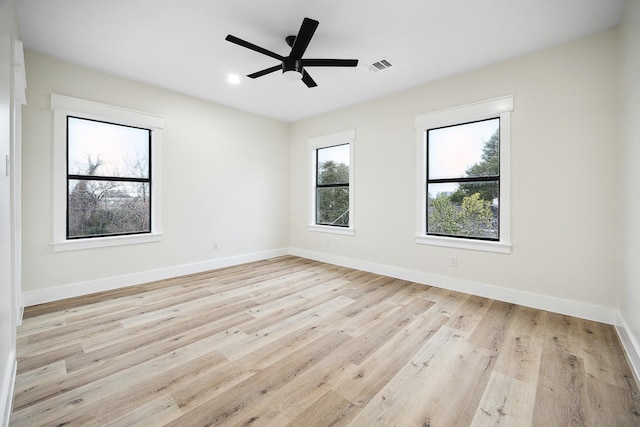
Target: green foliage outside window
{"x": 332, "y": 201}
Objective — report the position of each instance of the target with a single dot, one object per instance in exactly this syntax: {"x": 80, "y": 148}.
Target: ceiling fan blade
{"x": 264, "y": 72}
{"x": 329, "y": 62}
{"x": 243, "y": 43}
{"x": 306, "y": 78}
{"x": 303, "y": 38}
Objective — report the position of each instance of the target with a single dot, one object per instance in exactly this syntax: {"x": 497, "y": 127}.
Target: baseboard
{"x": 110, "y": 283}
{"x": 529, "y": 299}
{"x": 6, "y": 393}
{"x": 631, "y": 346}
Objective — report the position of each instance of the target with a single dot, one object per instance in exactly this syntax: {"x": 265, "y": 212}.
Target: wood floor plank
{"x": 521, "y": 351}
{"x": 385, "y": 330}
{"x": 291, "y": 341}
{"x": 505, "y": 402}
{"x": 560, "y": 395}
{"x": 329, "y": 410}
{"x": 302, "y": 393}
{"x": 27, "y": 362}
{"x": 227, "y": 407}
{"x": 150, "y": 383}
{"x": 209, "y": 335}
{"x": 400, "y": 401}
{"x": 360, "y": 383}
{"x": 273, "y": 333}
{"x": 153, "y": 413}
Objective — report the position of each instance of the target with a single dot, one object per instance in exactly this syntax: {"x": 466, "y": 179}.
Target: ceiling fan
{"x": 293, "y": 66}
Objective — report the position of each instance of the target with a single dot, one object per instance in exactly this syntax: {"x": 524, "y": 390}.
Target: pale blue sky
{"x": 452, "y": 150}
{"x": 119, "y": 147}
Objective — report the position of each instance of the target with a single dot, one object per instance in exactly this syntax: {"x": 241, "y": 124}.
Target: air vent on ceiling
{"x": 379, "y": 65}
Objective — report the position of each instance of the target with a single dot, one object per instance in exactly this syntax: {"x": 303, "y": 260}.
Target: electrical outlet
{"x": 215, "y": 246}
{"x": 453, "y": 262}
{"x": 327, "y": 243}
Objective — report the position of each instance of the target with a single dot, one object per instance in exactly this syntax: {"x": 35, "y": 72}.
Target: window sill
{"x": 332, "y": 230}
{"x": 476, "y": 245}
{"x": 101, "y": 242}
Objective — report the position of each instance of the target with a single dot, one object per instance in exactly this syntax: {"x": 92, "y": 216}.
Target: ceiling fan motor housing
{"x": 292, "y": 68}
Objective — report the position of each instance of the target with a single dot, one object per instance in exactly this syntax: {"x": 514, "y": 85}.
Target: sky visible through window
{"x": 338, "y": 154}
{"x": 122, "y": 150}
{"x": 454, "y": 149}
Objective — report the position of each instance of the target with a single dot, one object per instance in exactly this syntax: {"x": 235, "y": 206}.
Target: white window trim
{"x": 338, "y": 138}
{"x": 64, "y": 106}
{"x": 498, "y": 107}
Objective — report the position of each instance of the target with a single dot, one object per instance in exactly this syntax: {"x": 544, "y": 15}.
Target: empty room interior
{"x": 297, "y": 213}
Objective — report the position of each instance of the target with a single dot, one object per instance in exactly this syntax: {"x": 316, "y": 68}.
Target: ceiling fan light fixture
{"x": 292, "y": 75}
{"x": 292, "y": 69}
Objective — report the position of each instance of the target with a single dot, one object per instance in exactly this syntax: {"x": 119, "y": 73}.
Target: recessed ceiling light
{"x": 233, "y": 79}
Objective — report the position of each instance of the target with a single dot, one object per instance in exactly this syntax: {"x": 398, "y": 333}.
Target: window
{"x": 463, "y": 180}
{"x": 108, "y": 180}
{"x": 331, "y": 165}
{"x": 332, "y": 185}
{"x": 464, "y": 188}
{"x": 106, "y": 175}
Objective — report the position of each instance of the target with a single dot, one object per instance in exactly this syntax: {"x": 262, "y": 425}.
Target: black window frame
{"x": 319, "y": 186}
{"x": 463, "y": 180}
{"x": 82, "y": 177}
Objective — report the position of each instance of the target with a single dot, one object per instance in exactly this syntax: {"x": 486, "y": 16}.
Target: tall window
{"x": 464, "y": 184}
{"x": 332, "y": 185}
{"x": 463, "y": 180}
{"x": 108, "y": 179}
{"x": 331, "y": 196}
{"x": 106, "y": 182}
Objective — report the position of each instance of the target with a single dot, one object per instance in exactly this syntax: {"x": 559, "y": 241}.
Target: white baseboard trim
{"x": 631, "y": 345}
{"x": 528, "y": 299}
{"x": 41, "y": 296}
{"x": 6, "y": 393}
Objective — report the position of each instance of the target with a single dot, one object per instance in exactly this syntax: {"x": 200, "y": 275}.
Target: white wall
{"x": 224, "y": 175}
{"x": 629, "y": 288}
{"x": 563, "y": 179}
{"x": 8, "y": 31}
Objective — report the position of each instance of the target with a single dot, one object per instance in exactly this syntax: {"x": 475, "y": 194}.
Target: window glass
{"x": 470, "y": 149}
{"x": 108, "y": 179}
{"x": 332, "y": 206}
{"x": 333, "y": 165}
{"x": 463, "y": 180}
{"x": 119, "y": 151}
{"x": 455, "y": 214}
{"x": 332, "y": 185}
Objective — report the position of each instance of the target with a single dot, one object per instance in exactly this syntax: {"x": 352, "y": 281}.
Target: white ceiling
{"x": 180, "y": 45}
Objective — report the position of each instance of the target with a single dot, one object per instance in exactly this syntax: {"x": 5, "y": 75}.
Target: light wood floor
{"x": 295, "y": 342}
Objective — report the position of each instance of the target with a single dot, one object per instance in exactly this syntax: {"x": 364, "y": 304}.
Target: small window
{"x": 108, "y": 179}
{"x": 464, "y": 171}
{"x": 463, "y": 180}
{"x": 331, "y": 195}
{"x": 332, "y": 186}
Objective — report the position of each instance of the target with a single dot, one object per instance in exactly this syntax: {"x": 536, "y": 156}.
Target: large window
{"x": 108, "y": 179}
{"x": 106, "y": 175}
{"x": 464, "y": 187}
{"x": 331, "y": 165}
{"x": 463, "y": 180}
